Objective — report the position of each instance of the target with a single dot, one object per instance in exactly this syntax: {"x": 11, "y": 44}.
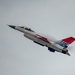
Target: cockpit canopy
{"x": 26, "y": 28}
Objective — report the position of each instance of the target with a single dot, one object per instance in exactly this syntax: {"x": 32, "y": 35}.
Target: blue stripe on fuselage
{"x": 61, "y": 43}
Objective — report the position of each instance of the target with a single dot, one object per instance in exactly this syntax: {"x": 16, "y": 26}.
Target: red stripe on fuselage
{"x": 42, "y": 38}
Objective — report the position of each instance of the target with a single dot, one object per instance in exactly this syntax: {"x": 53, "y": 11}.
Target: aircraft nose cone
{"x": 12, "y": 26}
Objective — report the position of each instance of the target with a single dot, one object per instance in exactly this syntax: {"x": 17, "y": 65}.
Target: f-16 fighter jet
{"x": 53, "y": 45}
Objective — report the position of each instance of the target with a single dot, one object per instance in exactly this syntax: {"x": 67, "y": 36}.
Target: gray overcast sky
{"x": 20, "y": 56}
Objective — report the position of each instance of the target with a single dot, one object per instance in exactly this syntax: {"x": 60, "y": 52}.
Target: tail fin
{"x": 65, "y": 42}
{"x": 68, "y": 40}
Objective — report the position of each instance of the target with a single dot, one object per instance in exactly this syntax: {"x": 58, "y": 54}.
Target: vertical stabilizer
{"x": 68, "y": 40}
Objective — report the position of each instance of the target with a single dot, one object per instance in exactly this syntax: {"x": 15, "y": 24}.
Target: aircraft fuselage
{"x": 41, "y": 39}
